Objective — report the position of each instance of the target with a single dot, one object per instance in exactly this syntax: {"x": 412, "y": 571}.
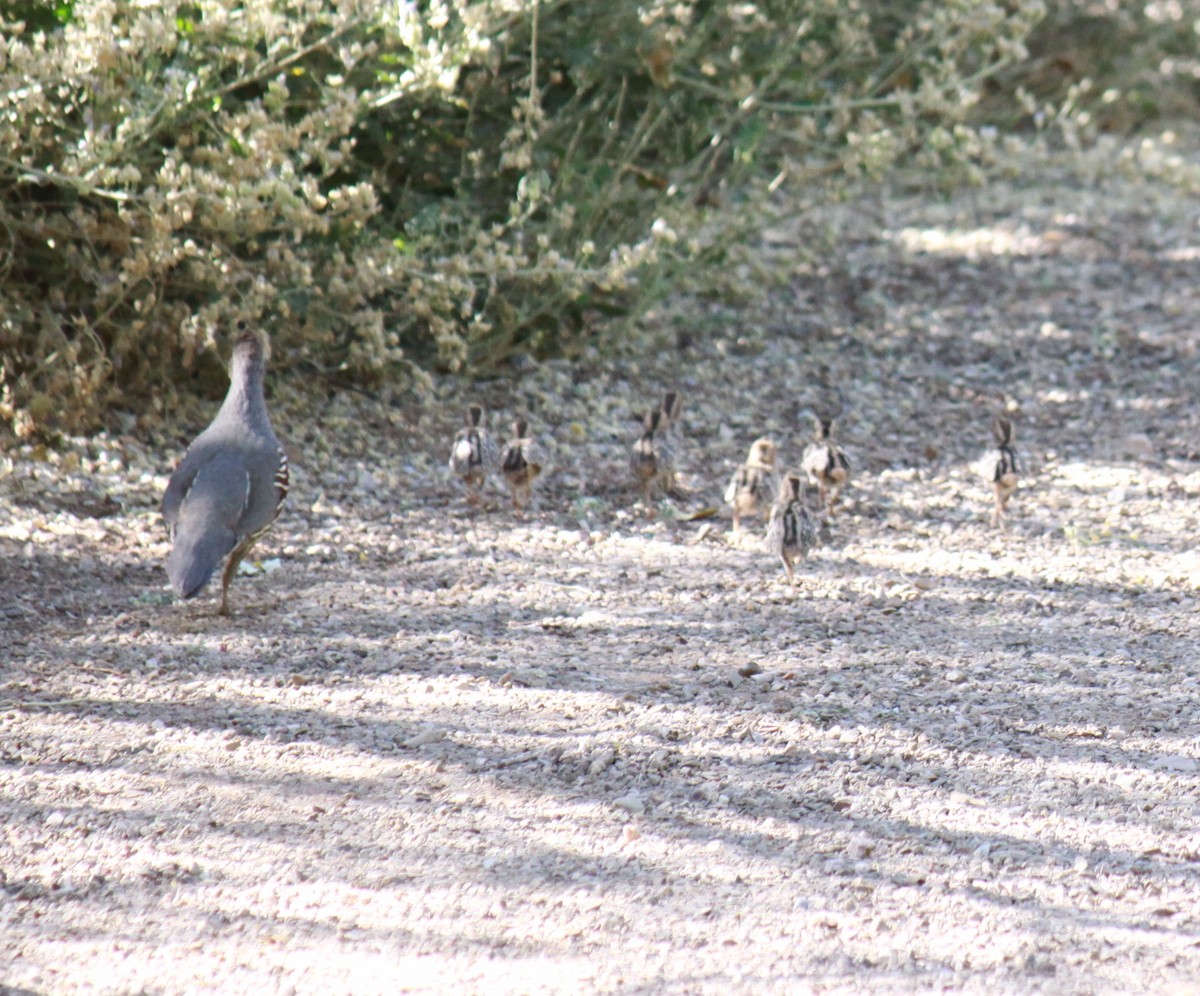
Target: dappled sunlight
{"x": 1184, "y": 254}
{"x": 551, "y": 861}
{"x": 1096, "y": 476}
{"x": 1020, "y": 240}
{"x": 471, "y": 746}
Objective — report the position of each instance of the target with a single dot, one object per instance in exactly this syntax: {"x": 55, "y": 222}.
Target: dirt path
{"x": 438, "y": 751}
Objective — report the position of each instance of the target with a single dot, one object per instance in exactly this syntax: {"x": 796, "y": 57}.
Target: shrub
{"x": 391, "y": 187}
{"x": 1096, "y": 66}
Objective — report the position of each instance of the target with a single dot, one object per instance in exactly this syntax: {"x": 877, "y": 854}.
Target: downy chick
{"x": 792, "y": 532}
{"x": 826, "y": 463}
{"x": 474, "y": 453}
{"x": 755, "y": 483}
{"x": 1000, "y": 468}
{"x": 521, "y": 463}
{"x": 653, "y": 458}
{"x": 671, "y": 408}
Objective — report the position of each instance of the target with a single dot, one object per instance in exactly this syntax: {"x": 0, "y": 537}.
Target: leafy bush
{"x": 1098, "y": 66}
{"x": 391, "y": 187}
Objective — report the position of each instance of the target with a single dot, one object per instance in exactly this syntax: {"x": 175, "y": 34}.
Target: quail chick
{"x": 653, "y": 458}
{"x": 474, "y": 453}
{"x": 521, "y": 463}
{"x": 792, "y": 531}
{"x": 230, "y": 485}
{"x": 755, "y": 483}
{"x": 671, "y": 408}
{"x": 826, "y": 463}
{"x": 1000, "y": 467}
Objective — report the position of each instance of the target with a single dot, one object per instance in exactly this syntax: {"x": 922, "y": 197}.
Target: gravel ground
{"x": 441, "y": 749}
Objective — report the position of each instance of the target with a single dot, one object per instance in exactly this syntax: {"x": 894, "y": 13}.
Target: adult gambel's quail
{"x": 231, "y": 483}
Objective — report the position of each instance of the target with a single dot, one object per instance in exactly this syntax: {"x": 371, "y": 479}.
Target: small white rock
{"x": 860, "y": 846}
{"x": 631, "y": 803}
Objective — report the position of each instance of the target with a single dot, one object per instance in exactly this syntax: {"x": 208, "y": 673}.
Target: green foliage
{"x": 390, "y": 187}
{"x": 1102, "y": 67}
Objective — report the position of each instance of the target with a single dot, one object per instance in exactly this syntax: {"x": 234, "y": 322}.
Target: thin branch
{"x": 533, "y": 59}
{"x": 32, "y": 174}
{"x": 861, "y": 103}
{"x": 44, "y": 704}
{"x": 274, "y": 68}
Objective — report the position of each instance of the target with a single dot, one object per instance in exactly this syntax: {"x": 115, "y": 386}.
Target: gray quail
{"x": 755, "y": 483}
{"x": 230, "y": 484}
{"x": 521, "y": 463}
{"x": 1000, "y": 467}
{"x": 792, "y": 531}
{"x": 473, "y": 453}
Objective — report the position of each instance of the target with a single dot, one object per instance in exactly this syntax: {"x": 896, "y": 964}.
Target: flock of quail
{"x": 792, "y": 523}
{"x": 232, "y": 481}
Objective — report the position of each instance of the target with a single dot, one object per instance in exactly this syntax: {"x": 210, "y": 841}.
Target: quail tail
{"x": 196, "y": 554}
